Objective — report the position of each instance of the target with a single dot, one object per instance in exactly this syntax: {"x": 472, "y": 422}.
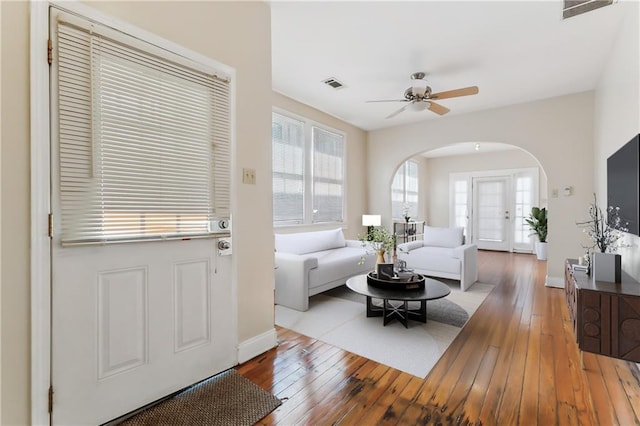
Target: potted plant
{"x": 380, "y": 240}
{"x": 537, "y": 221}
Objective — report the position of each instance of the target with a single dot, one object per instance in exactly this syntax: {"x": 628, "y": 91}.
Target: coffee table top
{"x": 433, "y": 289}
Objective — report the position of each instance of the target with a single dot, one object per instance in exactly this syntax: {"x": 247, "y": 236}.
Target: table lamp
{"x": 371, "y": 220}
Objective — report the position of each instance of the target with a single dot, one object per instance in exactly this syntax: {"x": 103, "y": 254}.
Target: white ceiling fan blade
{"x": 398, "y": 111}
{"x": 389, "y": 100}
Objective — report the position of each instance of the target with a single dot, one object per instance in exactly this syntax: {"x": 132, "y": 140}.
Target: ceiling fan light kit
{"x": 419, "y": 106}
{"x": 420, "y": 96}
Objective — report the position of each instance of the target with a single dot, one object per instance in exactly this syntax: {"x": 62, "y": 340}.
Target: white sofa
{"x": 309, "y": 263}
{"x": 442, "y": 253}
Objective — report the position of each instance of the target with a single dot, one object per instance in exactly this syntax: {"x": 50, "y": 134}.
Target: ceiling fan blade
{"x": 398, "y": 111}
{"x": 473, "y": 90}
{"x": 389, "y": 100}
{"x": 437, "y": 108}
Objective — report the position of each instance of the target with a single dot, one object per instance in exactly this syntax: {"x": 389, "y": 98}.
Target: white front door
{"x": 491, "y": 215}
{"x": 137, "y": 140}
{"x": 134, "y": 322}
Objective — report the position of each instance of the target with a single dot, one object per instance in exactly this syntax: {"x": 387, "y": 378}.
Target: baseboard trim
{"x": 257, "y": 345}
{"x": 556, "y": 282}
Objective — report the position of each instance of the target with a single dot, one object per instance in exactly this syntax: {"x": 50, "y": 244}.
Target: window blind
{"x": 144, "y": 140}
{"x": 411, "y": 188}
{"x": 308, "y": 172}
{"x": 328, "y": 176}
{"x": 404, "y": 191}
{"x": 288, "y": 170}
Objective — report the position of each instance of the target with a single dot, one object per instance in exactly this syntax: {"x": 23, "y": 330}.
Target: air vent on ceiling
{"x": 578, "y": 7}
{"x": 333, "y": 82}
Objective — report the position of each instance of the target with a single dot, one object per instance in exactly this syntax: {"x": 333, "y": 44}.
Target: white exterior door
{"x": 491, "y": 215}
{"x": 135, "y": 322}
{"x": 137, "y": 319}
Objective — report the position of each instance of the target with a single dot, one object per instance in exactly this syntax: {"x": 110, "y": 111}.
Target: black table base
{"x": 402, "y": 313}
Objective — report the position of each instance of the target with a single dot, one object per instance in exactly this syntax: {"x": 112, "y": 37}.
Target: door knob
{"x": 223, "y": 245}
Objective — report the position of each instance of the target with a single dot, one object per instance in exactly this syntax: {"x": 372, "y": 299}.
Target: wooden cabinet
{"x": 408, "y": 231}
{"x": 605, "y": 315}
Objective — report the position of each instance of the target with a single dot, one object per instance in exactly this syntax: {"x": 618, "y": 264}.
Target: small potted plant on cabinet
{"x": 537, "y": 222}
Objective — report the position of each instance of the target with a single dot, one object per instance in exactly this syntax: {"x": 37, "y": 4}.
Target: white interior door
{"x": 135, "y": 322}
{"x": 491, "y": 215}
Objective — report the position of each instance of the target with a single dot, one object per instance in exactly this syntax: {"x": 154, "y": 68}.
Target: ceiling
{"x": 514, "y": 51}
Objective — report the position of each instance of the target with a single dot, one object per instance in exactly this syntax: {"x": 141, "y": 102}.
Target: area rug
{"x": 225, "y": 399}
{"x": 342, "y": 322}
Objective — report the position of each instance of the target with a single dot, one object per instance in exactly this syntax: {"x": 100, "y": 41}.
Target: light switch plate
{"x": 249, "y": 176}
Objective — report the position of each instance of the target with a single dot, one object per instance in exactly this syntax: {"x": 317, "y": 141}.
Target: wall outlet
{"x": 249, "y": 176}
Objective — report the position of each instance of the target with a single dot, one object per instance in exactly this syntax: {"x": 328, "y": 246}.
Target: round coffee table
{"x": 433, "y": 289}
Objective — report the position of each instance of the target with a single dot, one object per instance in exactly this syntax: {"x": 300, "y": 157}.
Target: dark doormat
{"x": 225, "y": 399}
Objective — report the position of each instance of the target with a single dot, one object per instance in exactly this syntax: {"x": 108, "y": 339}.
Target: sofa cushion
{"x": 338, "y": 264}
{"x": 309, "y": 242}
{"x": 443, "y": 237}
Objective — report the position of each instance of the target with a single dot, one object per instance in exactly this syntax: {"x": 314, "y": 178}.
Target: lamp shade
{"x": 371, "y": 220}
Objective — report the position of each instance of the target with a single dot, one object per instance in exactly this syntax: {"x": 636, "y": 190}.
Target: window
{"x": 308, "y": 172}
{"x": 404, "y": 190}
{"x": 525, "y": 192}
{"x": 144, "y": 139}
{"x": 460, "y": 202}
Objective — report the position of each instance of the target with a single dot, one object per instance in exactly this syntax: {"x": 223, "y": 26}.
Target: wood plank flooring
{"x": 515, "y": 362}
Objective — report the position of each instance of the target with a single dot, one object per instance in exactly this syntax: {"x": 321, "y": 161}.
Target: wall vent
{"x": 333, "y": 82}
{"x": 578, "y": 7}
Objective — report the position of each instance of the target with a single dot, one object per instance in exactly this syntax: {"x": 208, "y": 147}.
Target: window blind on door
{"x": 144, "y": 140}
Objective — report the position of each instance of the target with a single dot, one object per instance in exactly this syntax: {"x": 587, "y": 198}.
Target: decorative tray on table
{"x": 401, "y": 281}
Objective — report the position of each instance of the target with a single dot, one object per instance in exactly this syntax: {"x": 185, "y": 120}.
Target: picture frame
{"x": 385, "y": 271}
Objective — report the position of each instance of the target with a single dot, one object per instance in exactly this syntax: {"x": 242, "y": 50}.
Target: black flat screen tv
{"x": 623, "y": 183}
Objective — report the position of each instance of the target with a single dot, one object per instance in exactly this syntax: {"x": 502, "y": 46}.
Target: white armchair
{"x": 442, "y": 253}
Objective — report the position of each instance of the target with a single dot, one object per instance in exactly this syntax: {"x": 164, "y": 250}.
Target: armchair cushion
{"x": 443, "y": 237}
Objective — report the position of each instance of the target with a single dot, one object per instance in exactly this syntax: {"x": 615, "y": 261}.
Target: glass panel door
{"x": 491, "y": 216}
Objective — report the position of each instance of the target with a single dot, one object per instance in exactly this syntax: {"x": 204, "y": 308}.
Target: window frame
{"x": 308, "y": 179}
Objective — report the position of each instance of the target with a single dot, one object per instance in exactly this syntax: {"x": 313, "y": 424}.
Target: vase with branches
{"x": 604, "y": 229}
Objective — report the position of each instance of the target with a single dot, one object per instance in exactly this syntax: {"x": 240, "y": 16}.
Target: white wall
{"x": 235, "y": 33}
{"x": 356, "y": 146}
{"x": 440, "y": 168}
{"x": 617, "y": 113}
{"x": 14, "y": 134}
{"x": 558, "y": 132}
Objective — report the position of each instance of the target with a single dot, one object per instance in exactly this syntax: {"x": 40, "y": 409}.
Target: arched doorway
{"x": 485, "y": 187}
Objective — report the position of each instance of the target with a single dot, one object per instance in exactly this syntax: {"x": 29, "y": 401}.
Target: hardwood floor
{"x": 514, "y": 362}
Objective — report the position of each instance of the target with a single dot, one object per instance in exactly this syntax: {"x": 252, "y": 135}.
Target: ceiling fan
{"x": 420, "y": 97}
